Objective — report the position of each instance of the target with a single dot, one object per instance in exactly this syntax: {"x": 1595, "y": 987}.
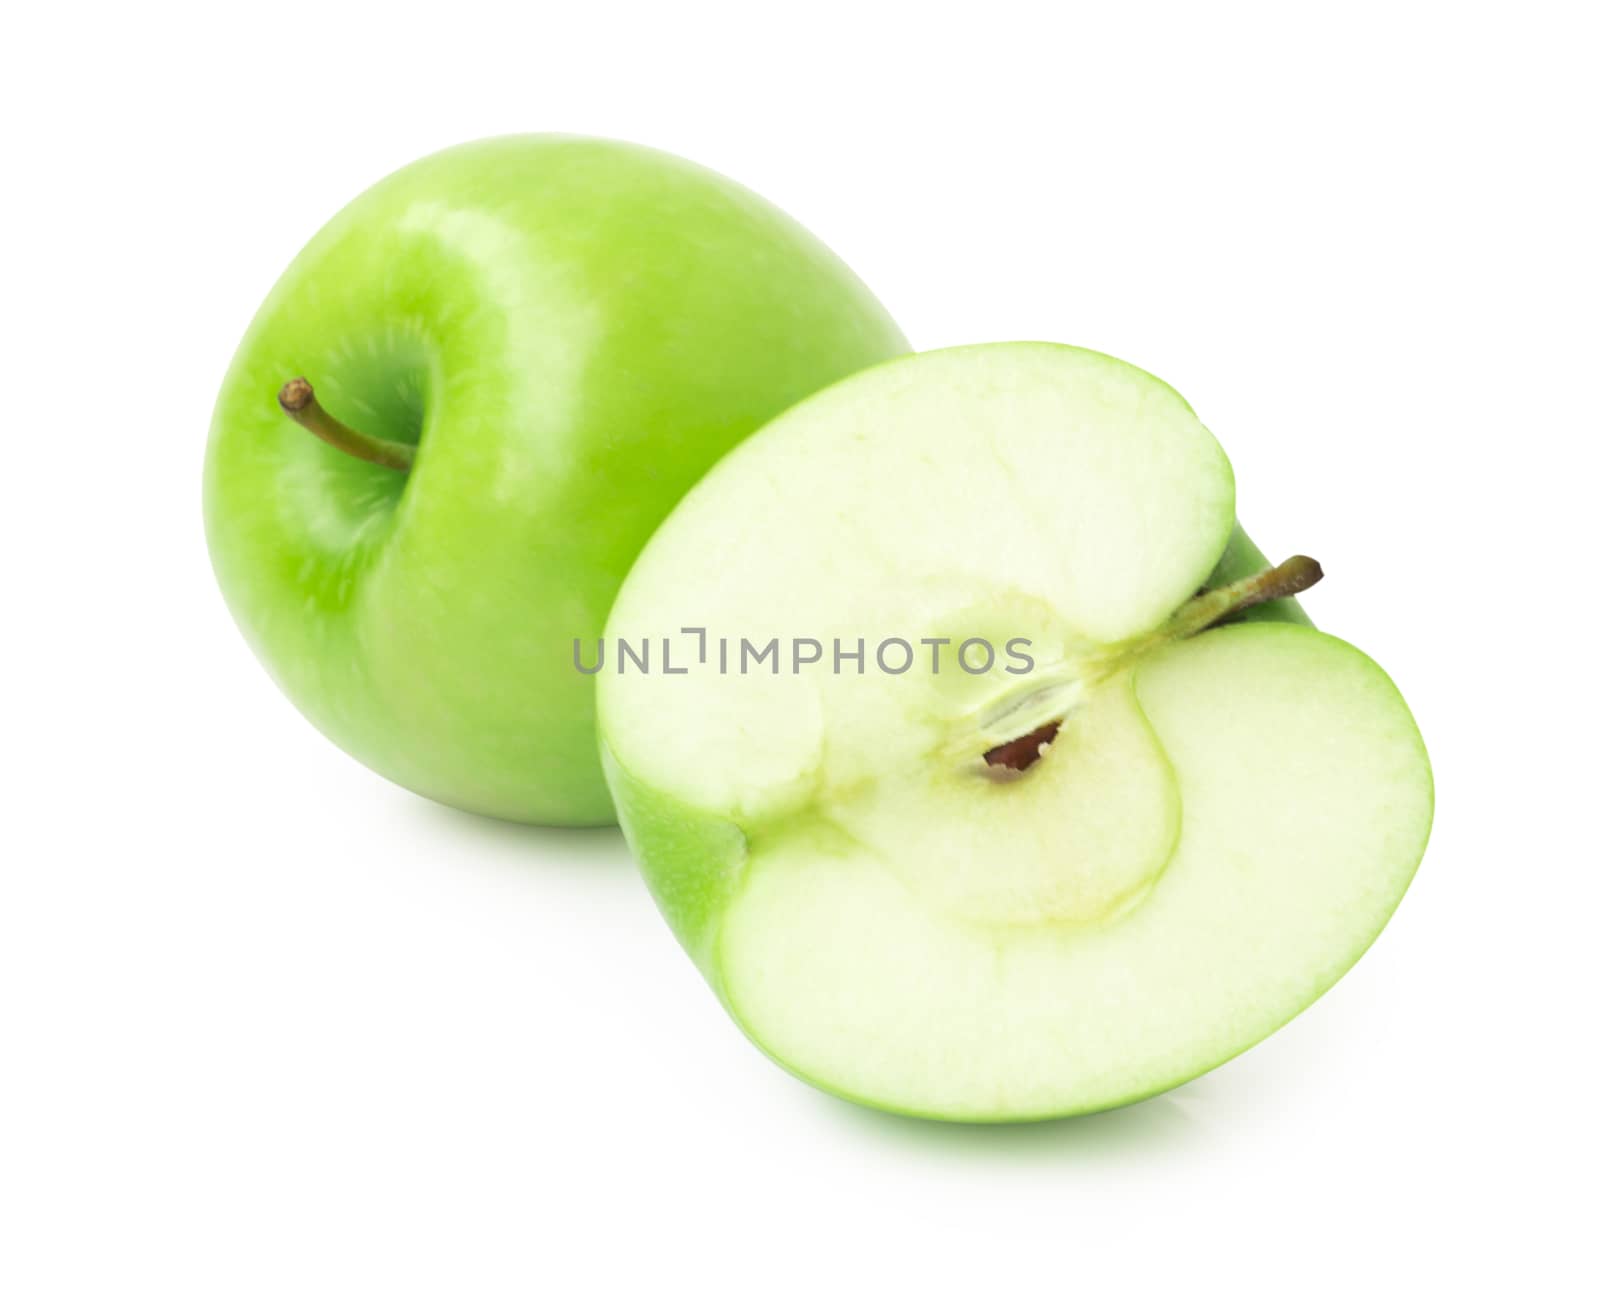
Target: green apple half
{"x": 522, "y": 353}
{"x": 987, "y": 896}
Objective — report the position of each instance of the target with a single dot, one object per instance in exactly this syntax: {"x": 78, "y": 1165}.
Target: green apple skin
{"x": 571, "y": 331}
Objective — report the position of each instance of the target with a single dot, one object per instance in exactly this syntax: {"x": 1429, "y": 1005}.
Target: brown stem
{"x": 1196, "y": 615}
{"x": 299, "y": 402}
{"x": 1291, "y": 578}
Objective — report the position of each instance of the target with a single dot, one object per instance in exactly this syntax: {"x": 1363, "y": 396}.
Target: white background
{"x": 272, "y": 1028}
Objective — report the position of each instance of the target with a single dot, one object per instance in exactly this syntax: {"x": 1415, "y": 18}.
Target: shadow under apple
{"x": 1163, "y": 1124}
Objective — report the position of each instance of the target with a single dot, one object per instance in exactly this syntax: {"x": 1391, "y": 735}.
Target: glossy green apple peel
{"x": 547, "y": 340}
{"x": 1221, "y": 822}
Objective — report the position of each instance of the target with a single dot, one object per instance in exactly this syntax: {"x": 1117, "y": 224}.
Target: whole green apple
{"x": 520, "y": 353}
{"x": 1140, "y": 816}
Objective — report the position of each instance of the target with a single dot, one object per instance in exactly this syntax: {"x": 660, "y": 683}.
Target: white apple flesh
{"x": 1220, "y": 820}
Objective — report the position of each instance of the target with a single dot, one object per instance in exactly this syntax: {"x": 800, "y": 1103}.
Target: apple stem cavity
{"x": 299, "y": 402}
{"x": 1200, "y": 612}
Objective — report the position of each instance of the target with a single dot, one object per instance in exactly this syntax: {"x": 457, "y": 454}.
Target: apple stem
{"x": 299, "y": 402}
{"x": 1212, "y": 606}
{"x": 1039, "y": 713}
{"x": 1294, "y": 576}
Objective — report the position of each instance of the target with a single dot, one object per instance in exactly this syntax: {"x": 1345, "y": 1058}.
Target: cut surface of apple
{"x": 1182, "y": 835}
